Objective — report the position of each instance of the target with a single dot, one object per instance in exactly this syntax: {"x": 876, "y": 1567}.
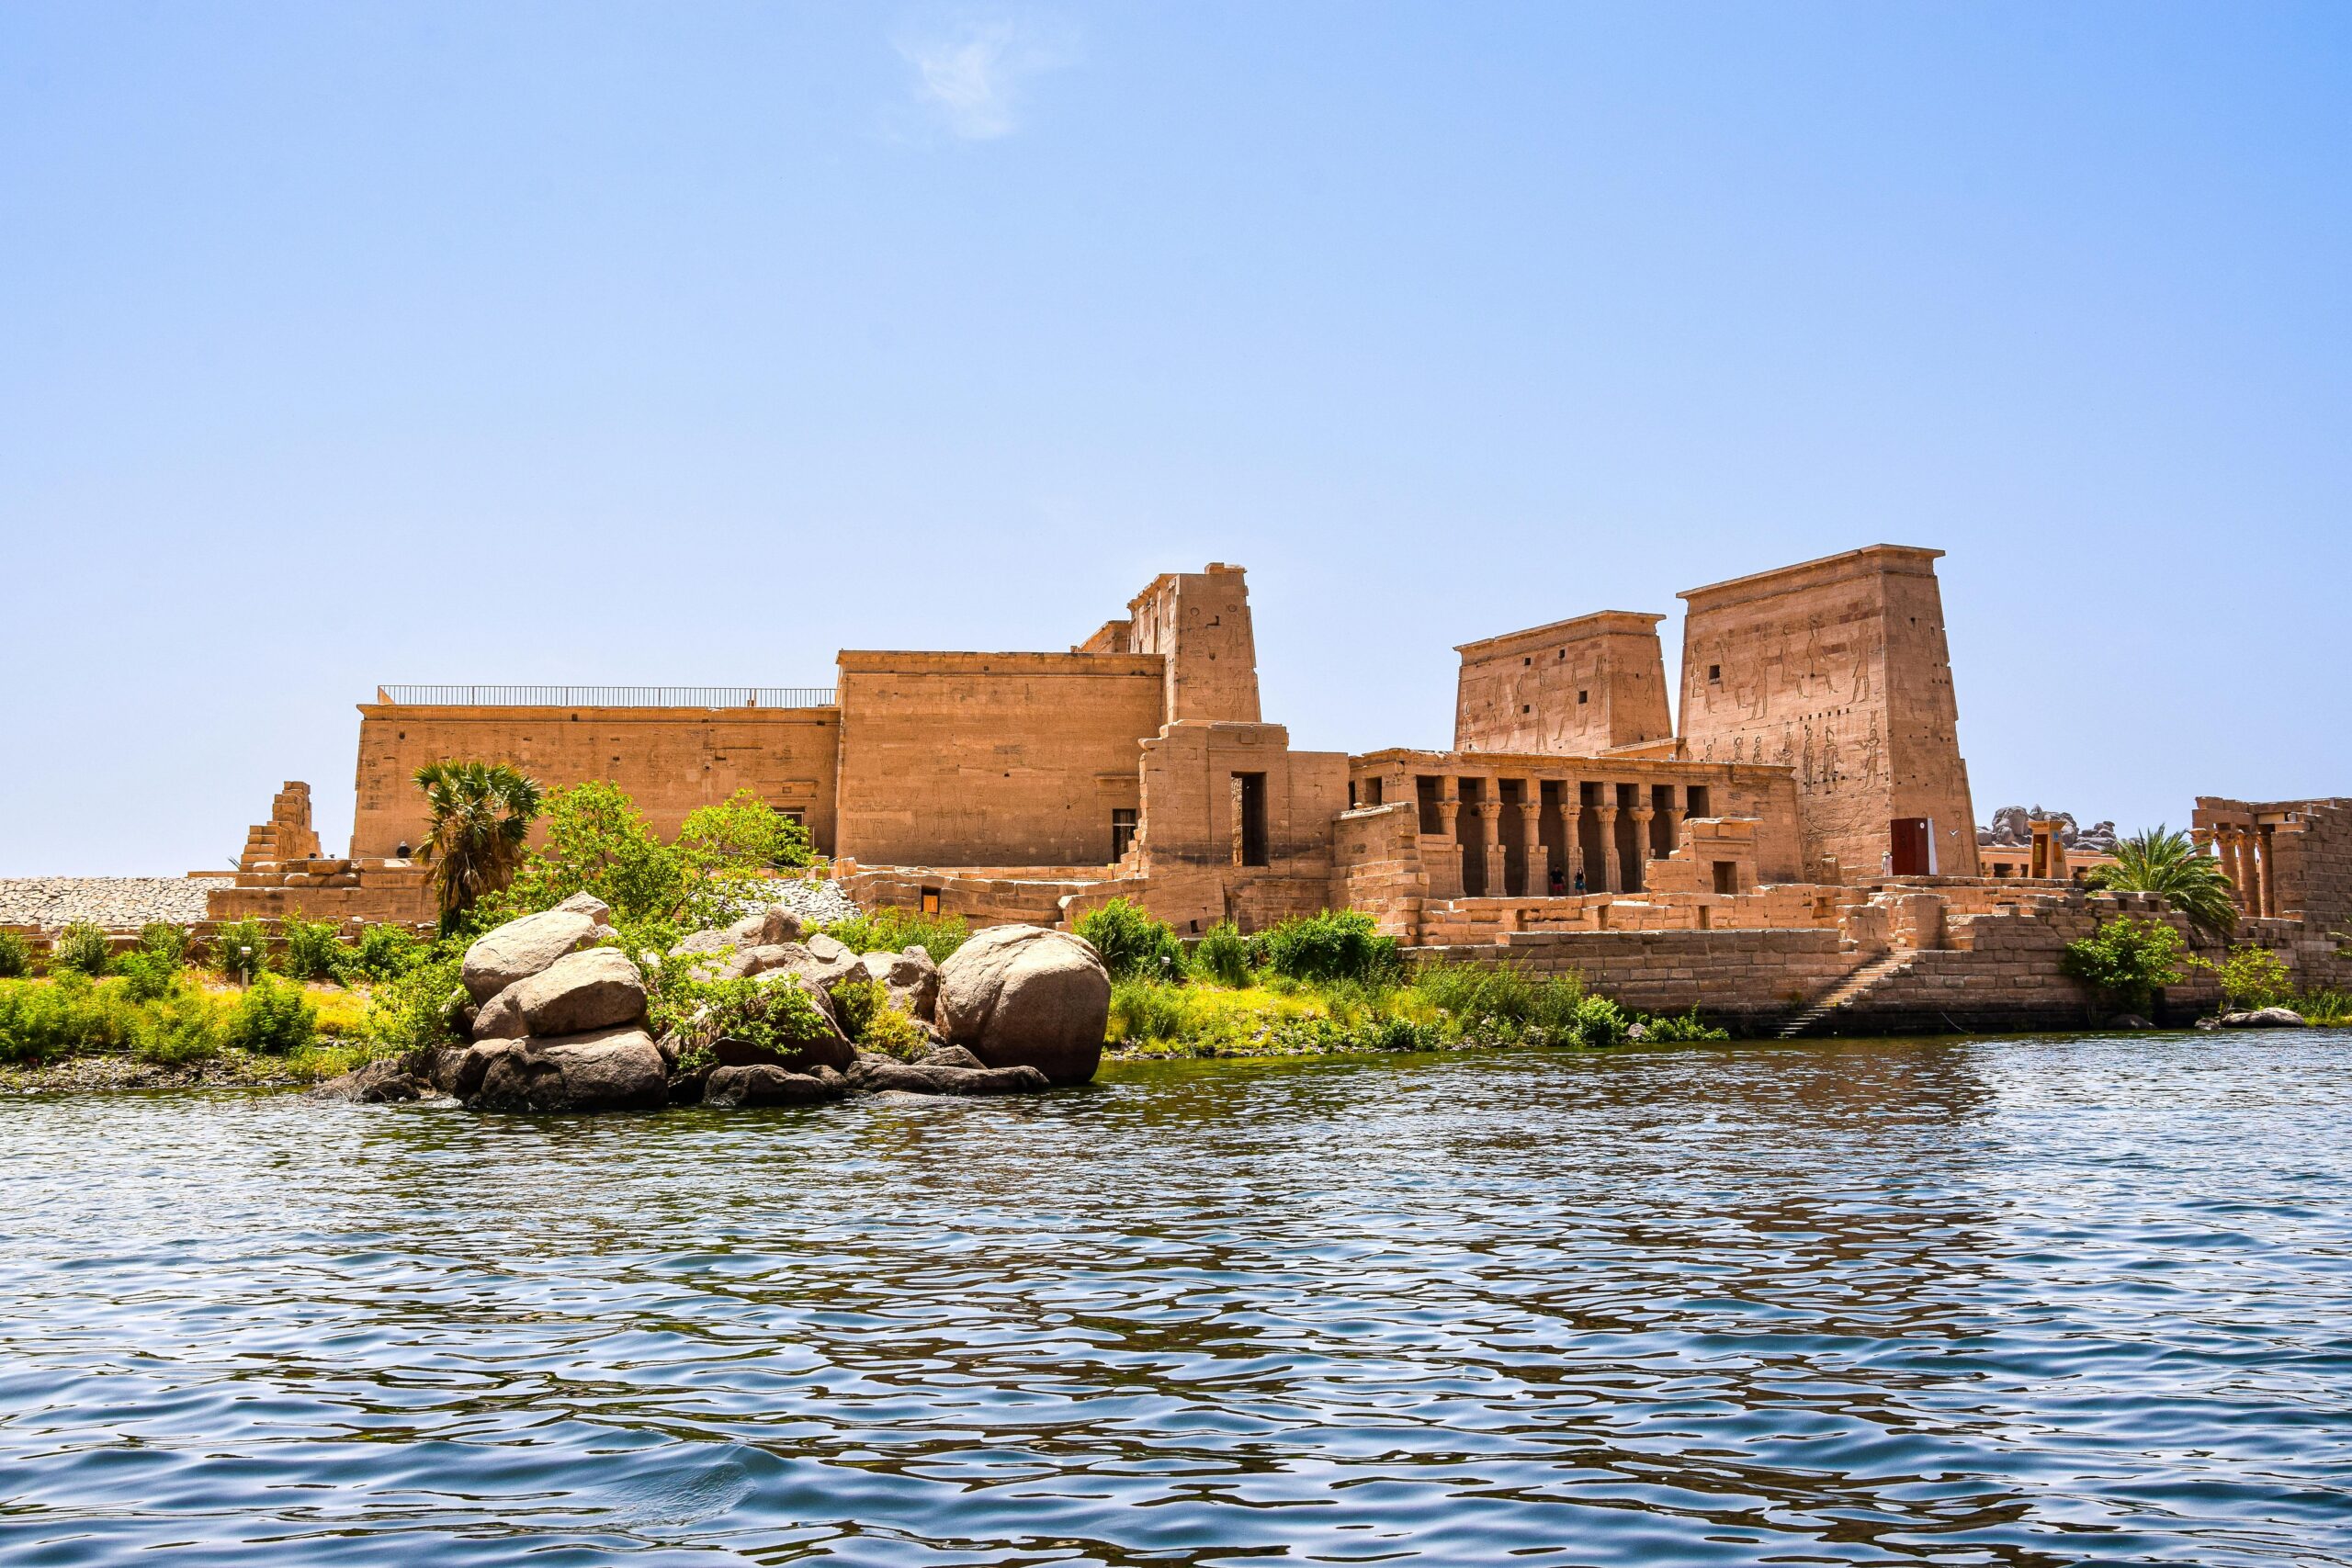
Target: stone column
{"x": 1530, "y": 839}
{"x": 1571, "y": 817}
{"x": 1609, "y": 877}
{"x": 2244, "y": 872}
{"x": 1676, "y": 800}
{"x": 2270, "y": 871}
{"x": 1449, "y": 813}
{"x": 1643, "y": 817}
{"x": 1490, "y": 817}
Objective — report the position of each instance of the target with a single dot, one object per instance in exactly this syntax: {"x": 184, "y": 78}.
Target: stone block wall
{"x": 671, "y": 761}
{"x": 1575, "y": 688}
{"x": 1836, "y": 668}
{"x": 990, "y": 759}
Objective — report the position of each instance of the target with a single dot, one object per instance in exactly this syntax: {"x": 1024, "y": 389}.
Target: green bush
{"x": 1600, "y": 1022}
{"x": 146, "y": 976}
{"x": 312, "y": 953}
{"x": 2251, "y": 977}
{"x": 1679, "y": 1031}
{"x": 1344, "y": 945}
{"x": 2327, "y": 1009}
{"x": 2128, "y": 959}
{"x": 777, "y": 1015}
{"x": 1222, "y": 955}
{"x": 1503, "y": 1001}
{"x": 382, "y": 953}
{"x": 742, "y": 835}
{"x": 182, "y": 1026}
{"x": 40, "y": 1019}
{"x": 163, "y": 940}
{"x": 82, "y": 948}
{"x": 271, "y": 1019}
{"x": 417, "y": 1008}
{"x": 598, "y": 842}
{"x": 15, "y": 956}
{"x": 895, "y": 931}
{"x": 240, "y": 949}
{"x": 874, "y": 1023}
{"x": 1148, "y": 1010}
{"x": 1132, "y": 943}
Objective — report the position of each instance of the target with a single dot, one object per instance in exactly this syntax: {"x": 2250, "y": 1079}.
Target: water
{"x": 2004, "y": 1303}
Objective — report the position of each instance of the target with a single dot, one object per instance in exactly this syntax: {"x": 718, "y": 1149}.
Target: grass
{"x": 184, "y": 1024}
{"x": 1442, "y": 1006}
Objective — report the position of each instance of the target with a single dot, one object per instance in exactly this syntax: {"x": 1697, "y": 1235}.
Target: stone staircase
{"x": 1858, "y": 984}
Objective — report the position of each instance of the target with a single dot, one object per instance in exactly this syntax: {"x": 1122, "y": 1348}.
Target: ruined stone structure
{"x": 1802, "y": 850}
{"x": 1837, "y": 670}
{"x": 2287, "y": 859}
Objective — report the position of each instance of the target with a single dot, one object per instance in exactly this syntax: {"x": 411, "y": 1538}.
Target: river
{"x": 2029, "y": 1302}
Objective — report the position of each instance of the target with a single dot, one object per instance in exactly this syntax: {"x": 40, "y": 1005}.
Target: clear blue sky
{"x": 685, "y": 342}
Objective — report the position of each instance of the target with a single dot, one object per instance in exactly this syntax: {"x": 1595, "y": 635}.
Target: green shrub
{"x": 41, "y": 1019}
{"x": 15, "y": 956}
{"x": 2128, "y": 959}
{"x": 895, "y": 931}
{"x": 1132, "y": 943}
{"x": 382, "y": 953}
{"x": 2251, "y": 977}
{"x": 313, "y": 951}
{"x": 417, "y": 1008}
{"x": 1678, "y": 1031}
{"x": 240, "y": 949}
{"x": 1344, "y": 945}
{"x": 182, "y": 1026}
{"x": 82, "y": 948}
{"x": 165, "y": 940}
{"x": 599, "y": 843}
{"x": 2328, "y": 1008}
{"x": 146, "y": 976}
{"x": 1600, "y": 1022}
{"x": 271, "y": 1019}
{"x": 777, "y": 1015}
{"x": 742, "y": 835}
{"x": 1147, "y": 1009}
{"x": 1222, "y": 955}
{"x": 1503, "y": 1001}
{"x": 874, "y": 1023}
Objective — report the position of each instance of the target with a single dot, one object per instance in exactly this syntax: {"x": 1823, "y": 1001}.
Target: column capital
{"x": 1643, "y": 813}
{"x": 1490, "y": 809}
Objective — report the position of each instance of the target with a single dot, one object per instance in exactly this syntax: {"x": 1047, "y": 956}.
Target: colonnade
{"x": 1614, "y": 870}
{"x": 2243, "y": 851}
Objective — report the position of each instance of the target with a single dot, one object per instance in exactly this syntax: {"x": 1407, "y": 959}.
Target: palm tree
{"x": 2163, "y": 861}
{"x": 480, "y": 815}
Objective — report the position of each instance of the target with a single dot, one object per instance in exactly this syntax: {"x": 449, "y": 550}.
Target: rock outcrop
{"x": 1024, "y": 995}
{"x": 558, "y": 1022}
{"x": 520, "y": 949}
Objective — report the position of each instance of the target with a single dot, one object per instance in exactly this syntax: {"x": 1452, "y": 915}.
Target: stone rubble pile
{"x": 558, "y": 1022}
{"x": 116, "y": 902}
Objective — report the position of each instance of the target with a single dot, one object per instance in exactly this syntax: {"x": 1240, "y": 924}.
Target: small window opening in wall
{"x": 1249, "y": 819}
{"x": 1529, "y": 660}
{"x": 1714, "y": 672}
{"x": 1726, "y": 876}
{"x": 931, "y": 900}
{"x": 1524, "y": 707}
{"x": 1123, "y": 830}
{"x": 1582, "y": 696}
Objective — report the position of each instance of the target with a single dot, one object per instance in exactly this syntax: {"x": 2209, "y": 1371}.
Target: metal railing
{"x": 608, "y": 697}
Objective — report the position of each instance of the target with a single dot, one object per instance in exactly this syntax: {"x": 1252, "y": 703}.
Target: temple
{"x": 1805, "y": 801}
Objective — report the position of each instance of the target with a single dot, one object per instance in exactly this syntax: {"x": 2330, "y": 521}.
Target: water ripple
{"x": 2009, "y": 1302}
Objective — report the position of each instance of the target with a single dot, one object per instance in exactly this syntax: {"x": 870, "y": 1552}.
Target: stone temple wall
{"x": 1838, "y": 670}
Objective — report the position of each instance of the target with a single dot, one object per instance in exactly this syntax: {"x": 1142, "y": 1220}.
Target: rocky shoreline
{"x": 756, "y": 1013}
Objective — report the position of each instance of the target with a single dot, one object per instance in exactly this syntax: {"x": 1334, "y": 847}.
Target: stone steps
{"x": 1847, "y": 992}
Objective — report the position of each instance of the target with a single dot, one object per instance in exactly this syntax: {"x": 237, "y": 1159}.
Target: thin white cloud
{"x": 970, "y": 75}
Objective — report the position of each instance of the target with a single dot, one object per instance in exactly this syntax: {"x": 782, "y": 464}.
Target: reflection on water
{"x": 2006, "y": 1303}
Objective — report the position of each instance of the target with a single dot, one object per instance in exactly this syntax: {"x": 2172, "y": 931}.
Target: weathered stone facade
{"x": 1802, "y": 853}
{"x": 1838, "y": 670}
